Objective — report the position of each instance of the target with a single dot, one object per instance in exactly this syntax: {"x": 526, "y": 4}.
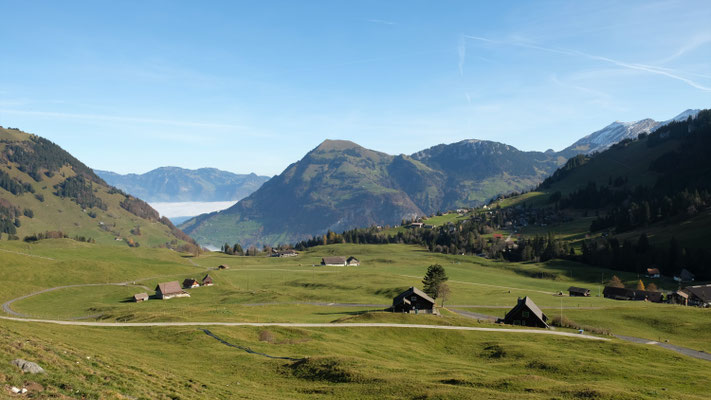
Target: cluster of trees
{"x": 13, "y": 185}
{"x": 617, "y": 283}
{"x": 81, "y": 191}
{"x": 9, "y": 221}
{"x": 644, "y": 210}
{"x": 538, "y": 248}
{"x": 56, "y": 235}
{"x": 139, "y": 208}
{"x": 39, "y": 154}
{"x": 237, "y": 250}
{"x": 637, "y": 256}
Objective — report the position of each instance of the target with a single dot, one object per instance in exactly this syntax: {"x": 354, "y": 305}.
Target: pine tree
{"x": 433, "y": 278}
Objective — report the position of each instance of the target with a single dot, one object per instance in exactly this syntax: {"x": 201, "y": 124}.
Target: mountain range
{"x": 619, "y": 131}
{"x": 174, "y": 184}
{"x": 340, "y": 185}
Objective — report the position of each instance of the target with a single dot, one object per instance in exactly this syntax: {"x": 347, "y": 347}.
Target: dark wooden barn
{"x": 526, "y": 313}
{"x": 631, "y": 294}
{"x": 578, "y": 291}
{"x": 413, "y": 300}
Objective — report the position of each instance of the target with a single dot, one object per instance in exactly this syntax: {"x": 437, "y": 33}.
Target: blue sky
{"x": 133, "y": 85}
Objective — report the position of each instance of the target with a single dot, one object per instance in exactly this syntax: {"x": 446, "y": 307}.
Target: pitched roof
{"x": 207, "y": 278}
{"x": 140, "y": 296}
{"x": 189, "y": 282}
{"x": 703, "y": 292}
{"x": 333, "y": 260}
{"x": 169, "y": 288}
{"x": 578, "y": 289}
{"x": 410, "y": 291}
{"x": 685, "y": 275}
{"x": 652, "y": 271}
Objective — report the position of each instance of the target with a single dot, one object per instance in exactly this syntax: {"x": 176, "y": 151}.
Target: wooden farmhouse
{"x": 653, "y": 273}
{"x": 352, "y": 262}
{"x": 207, "y": 280}
{"x": 413, "y": 300}
{"x": 190, "y": 283}
{"x": 168, "y": 290}
{"x": 699, "y": 295}
{"x": 678, "y": 297}
{"x": 140, "y": 297}
{"x": 578, "y": 291}
{"x": 285, "y": 253}
{"x": 631, "y": 294}
{"x": 334, "y": 261}
{"x": 526, "y": 313}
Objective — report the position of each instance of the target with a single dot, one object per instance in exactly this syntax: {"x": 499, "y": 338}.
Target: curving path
{"x": 305, "y": 325}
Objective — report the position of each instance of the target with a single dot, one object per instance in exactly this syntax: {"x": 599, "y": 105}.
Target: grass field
{"x": 185, "y": 363}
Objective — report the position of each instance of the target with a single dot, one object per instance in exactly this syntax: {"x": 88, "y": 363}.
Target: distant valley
{"x": 179, "y": 193}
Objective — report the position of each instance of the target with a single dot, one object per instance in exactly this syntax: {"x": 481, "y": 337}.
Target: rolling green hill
{"x": 45, "y": 189}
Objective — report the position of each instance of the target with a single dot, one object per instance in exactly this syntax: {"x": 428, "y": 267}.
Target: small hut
{"x": 352, "y": 262}
{"x": 207, "y": 280}
{"x": 190, "y": 283}
{"x": 140, "y": 297}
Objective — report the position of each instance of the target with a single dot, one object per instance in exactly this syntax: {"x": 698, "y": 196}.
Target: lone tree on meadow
{"x": 443, "y": 291}
{"x": 434, "y": 277}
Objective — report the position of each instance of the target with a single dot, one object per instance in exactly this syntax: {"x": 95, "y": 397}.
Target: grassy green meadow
{"x": 358, "y": 362}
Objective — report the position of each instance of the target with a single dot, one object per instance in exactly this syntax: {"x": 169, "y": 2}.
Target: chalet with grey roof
{"x": 414, "y": 301}
{"x": 334, "y": 261}
{"x": 168, "y": 290}
{"x": 526, "y": 313}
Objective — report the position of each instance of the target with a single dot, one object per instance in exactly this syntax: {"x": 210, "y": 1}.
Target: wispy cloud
{"x": 462, "y": 52}
{"x": 380, "y": 21}
{"x": 695, "y": 42}
{"x": 670, "y": 73}
{"x": 114, "y": 118}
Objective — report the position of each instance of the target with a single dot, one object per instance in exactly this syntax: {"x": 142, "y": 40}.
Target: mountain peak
{"x": 334, "y": 145}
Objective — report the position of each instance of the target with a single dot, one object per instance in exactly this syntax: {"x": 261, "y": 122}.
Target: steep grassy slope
{"x": 43, "y": 188}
